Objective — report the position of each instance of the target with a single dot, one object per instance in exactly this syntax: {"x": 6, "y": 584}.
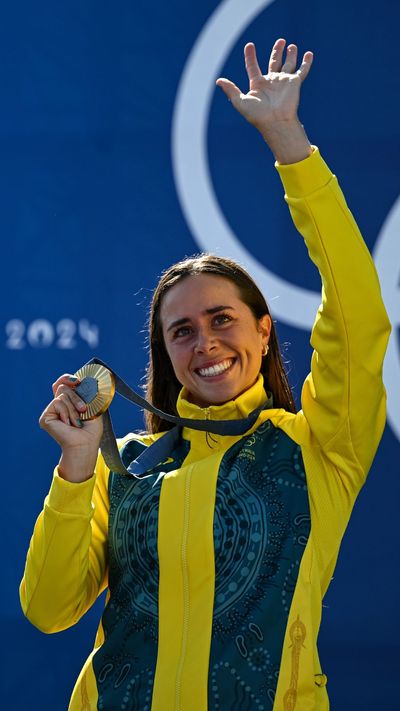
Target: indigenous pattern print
{"x": 125, "y": 673}
{"x": 261, "y": 527}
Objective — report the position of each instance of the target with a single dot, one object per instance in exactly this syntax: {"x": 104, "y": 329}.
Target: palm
{"x": 274, "y": 96}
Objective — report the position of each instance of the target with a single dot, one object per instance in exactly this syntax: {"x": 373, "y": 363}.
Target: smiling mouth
{"x": 216, "y": 369}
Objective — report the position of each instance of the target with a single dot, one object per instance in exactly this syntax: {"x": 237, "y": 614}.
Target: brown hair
{"x": 162, "y": 386}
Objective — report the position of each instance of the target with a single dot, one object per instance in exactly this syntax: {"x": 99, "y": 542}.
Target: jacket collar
{"x": 236, "y": 409}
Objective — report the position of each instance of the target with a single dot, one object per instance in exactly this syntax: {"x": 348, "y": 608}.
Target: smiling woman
{"x": 217, "y": 560}
{"x": 204, "y": 310}
{"x": 216, "y": 350}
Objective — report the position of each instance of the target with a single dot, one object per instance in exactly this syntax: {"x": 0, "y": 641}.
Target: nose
{"x": 205, "y": 341}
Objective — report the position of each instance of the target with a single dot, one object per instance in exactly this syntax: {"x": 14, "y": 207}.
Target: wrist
{"x": 287, "y": 140}
{"x": 77, "y": 465}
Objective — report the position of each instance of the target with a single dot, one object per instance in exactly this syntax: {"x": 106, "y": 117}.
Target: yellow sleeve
{"x": 343, "y": 397}
{"x": 66, "y": 566}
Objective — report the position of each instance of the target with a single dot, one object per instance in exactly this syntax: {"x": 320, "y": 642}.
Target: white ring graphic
{"x": 295, "y": 305}
{"x": 387, "y": 261}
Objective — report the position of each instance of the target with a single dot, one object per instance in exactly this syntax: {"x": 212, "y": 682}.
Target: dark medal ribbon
{"x": 99, "y": 383}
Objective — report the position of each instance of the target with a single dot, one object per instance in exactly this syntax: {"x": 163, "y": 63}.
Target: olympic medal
{"x": 97, "y": 388}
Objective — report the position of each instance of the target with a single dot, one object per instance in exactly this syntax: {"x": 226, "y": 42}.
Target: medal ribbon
{"x": 160, "y": 450}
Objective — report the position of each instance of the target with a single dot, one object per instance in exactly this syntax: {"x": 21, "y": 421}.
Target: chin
{"x": 207, "y": 399}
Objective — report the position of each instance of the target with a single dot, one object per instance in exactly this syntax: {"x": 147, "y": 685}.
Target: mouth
{"x": 212, "y": 371}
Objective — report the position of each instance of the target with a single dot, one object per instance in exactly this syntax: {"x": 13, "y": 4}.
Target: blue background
{"x": 89, "y": 218}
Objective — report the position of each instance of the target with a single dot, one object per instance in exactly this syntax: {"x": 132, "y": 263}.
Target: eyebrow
{"x": 185, "y": 319}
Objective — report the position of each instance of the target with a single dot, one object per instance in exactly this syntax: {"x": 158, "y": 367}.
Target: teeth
{"x": 215, "y": 369}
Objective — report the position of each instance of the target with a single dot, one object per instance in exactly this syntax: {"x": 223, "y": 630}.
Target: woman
{"x": 217, "y": 564}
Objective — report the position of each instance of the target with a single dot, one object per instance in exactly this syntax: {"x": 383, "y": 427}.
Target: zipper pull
{"x": 209, "y": 437}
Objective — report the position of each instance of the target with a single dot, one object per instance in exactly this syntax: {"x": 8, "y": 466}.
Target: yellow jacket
{"x": 217, "y": 564}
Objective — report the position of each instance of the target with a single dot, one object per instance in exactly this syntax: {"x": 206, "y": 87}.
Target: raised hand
{"x": 79, "y": 441}
{"x": 272, "y": 101}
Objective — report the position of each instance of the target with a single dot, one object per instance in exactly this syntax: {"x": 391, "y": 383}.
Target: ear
{"x": 264, "y": 327}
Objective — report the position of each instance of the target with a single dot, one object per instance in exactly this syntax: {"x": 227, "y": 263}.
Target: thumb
{"x": 230, "y": 89}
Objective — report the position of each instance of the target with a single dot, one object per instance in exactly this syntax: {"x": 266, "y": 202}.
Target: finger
{"x": 275, "y": 60}
{"x": 291, "y": 59}
{"x": 305, "y": 65}
{"x": 74, "y": 414}
{"x": 67, "y": 393}
{"x": 230, "y": 89}
{"x": 57, "y": 410}
{"x": 251, "y": 63}
{"x": 66, "y": 379}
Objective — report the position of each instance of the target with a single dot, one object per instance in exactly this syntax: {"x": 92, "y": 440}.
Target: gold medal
{"x": 97, "y": 388}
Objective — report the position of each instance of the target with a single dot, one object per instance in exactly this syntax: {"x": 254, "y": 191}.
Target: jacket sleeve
{"x": 343, "y": 397}
{"x": 66, "y": 566}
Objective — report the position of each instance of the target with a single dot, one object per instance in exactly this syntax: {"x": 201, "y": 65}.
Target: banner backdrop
{"x": 118, "y": 157}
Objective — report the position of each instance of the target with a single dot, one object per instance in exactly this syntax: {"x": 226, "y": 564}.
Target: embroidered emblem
{"x": 84, "y": 695}
{"x": 297, "y": 636}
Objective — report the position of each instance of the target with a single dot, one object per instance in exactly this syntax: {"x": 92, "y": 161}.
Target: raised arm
{"x": 66, "y": 566}
{"x": 343, "y": 398}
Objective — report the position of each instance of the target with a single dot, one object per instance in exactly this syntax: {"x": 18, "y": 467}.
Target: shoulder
{"x": 294, "y": 425}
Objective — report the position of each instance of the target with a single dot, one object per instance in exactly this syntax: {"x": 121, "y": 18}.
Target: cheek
{"x": 167, "y": 355}
{"x": 177, "y": 359}
{"x": 254, "y": 349}
{"x": 253, "y": 341}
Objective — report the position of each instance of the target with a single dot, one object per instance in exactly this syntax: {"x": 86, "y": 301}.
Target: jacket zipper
{"x": 208, "y": 435}
{"x": 185, "y": 576}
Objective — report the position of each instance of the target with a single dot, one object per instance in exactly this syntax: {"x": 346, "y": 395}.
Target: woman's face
{"x": 212, "y": 338}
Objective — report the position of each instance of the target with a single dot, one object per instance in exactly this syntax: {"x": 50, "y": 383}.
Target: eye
{"x": 181, "y": 332}
{"x": 221, "y": 319}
